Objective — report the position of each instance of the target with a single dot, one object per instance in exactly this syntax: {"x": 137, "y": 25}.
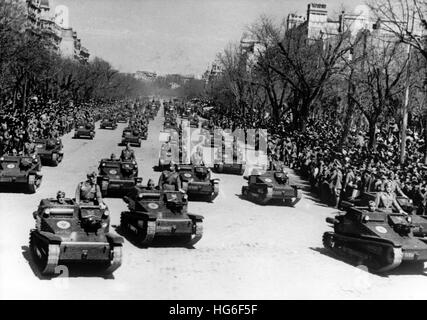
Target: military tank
{"x": 271, "y": 186}
{"x": 194, "y": 122}
{"x": 365, "y": 197}
{"x": 167, "y": 155}
{"x": 122, "y": 118}
{"x": 197, "y": 182}
{"x": 68, "y": 233}
{"x": 378, "y": 239}
{"x": 108, "y": 123}
{"x": 131, "y": 136}
{"x": 117, "y": 177}
{"x": 229, "y": 161}
{"x": 170, "y": 124}
{"x": 144, "y": 133}
{"x": 186, "y": 113}
{"x": 17, "y": 172}
{"x": 160, "y": 214}
{"x": 50, "y": 151}
{"x": 212, "y": 138}
{"x": 84, "y": 131}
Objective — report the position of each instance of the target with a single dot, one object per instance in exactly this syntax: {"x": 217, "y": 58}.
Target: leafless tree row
{"x": 361, "y": 80}
{"x": 28, "y": 67}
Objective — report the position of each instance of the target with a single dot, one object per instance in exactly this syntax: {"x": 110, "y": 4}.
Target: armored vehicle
{"x": 186, "y": 113}
{"x": 150, "y": 113}
{"x": 167, "y": 155}
{"x": 131, "y": 136}
{"x": 170, "y": 125}
{"x": 20, "y": 172}
{"x": 108, "y": 123}
{"x": 117, "y": 177}
{"x": 194, "y": 122}
{"x": 122, "y": 118}
{"x": 50, "y": 151}
{"x": 271, "y": 186}
{"x": 160, "y": 214}
{"x": 197, "y": 182}
{"x": 84, "y": 131}
{"x": 212, "y": 138}
{"x": 378, "y": 239}
{"x": 363, "y": 201}
{"x": 68, "y": 233}
{"x": 144, "y": 133}
{"x": 229, "y": 161}
{"x": 207, "y": 126}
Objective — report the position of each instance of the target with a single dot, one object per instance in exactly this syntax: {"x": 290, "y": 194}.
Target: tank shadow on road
{"x": 271, "y": 203}
{"x": 404, "y": 269}
{"x": 330, "y": 254}
{"x": 407, "y": 268}
{"x": 74, "y": 270}
{"x": 158, "y": 242}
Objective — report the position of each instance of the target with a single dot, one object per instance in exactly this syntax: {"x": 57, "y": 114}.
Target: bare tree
{"x": 380, "y": 81}
{"x": 406, "y": 20}
{"x": 307, "y": 65}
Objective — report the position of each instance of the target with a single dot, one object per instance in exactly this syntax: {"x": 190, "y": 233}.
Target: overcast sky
{"x": 172, "y": 36}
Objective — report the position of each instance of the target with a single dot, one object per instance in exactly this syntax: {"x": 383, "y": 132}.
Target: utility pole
{"x": 424, "y": 107}
{"x": 350, "y": 102}
{"x": 405, "y": 110}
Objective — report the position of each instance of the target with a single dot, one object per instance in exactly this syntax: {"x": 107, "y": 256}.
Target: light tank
{"x": 68, "y": 233}
{"x": 378, "y": 239}
{"x": 160, "y": 214}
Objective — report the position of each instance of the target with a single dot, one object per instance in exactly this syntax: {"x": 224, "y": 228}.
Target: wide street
{"x": 247, "y": 251}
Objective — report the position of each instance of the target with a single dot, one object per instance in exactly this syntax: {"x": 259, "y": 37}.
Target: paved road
{"x": 247, "y": 251}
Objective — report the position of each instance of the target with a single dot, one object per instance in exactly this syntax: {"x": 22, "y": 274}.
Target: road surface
{"x": 247, "y": 251}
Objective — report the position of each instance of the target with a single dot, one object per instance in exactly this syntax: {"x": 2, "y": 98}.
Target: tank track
{"x": 44, "y": 254}
{"x": 143, "y": 237}
{"x": 378, "y": 256}
{"x": 292, "y": 203}
{"x": 149, "y": 234}
{"x": 116, "y": 259}
{"x": 198, "y": 234}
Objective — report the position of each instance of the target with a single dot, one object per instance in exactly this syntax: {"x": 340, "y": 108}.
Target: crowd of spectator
{"x": 343, "y": 171}
{"x": 47, "y": 120}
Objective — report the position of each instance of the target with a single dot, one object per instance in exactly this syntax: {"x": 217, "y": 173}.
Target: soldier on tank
{"x": 151, "y": 185}
{"x": 282, "y": 176}
{"x": 169, "y": 179}
{"x": 89, "y": 190}
{"x": 386, "y": 200}
{"x": 275, "y": 163}
{"x": 60, "y": 197}
{"x": 127, "y": 153}
{"x": 30, "y": 147}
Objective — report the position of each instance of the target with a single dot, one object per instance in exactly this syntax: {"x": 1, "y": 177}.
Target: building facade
{"x": 145, "y": 75}
{"x": 53, "y": 28}
{"x": 316, "y": 24}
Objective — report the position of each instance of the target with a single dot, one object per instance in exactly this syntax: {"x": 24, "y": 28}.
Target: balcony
{"x": 84, "y": 52}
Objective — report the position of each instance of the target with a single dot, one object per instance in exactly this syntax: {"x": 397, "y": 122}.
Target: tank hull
{"x": 49, "y": 251}
{"x": 143, "y": 231}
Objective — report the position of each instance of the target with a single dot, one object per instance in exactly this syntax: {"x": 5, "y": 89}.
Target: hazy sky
{"x": 172, "y": 36}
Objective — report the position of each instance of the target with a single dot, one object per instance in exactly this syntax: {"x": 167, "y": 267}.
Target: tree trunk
{"x": 405, "y": 112}
{"x": 372, "y": 140}
{"x": 425, "y": 121}
{"x": 349, "y": 112}
{"x": 24, "y": 96}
